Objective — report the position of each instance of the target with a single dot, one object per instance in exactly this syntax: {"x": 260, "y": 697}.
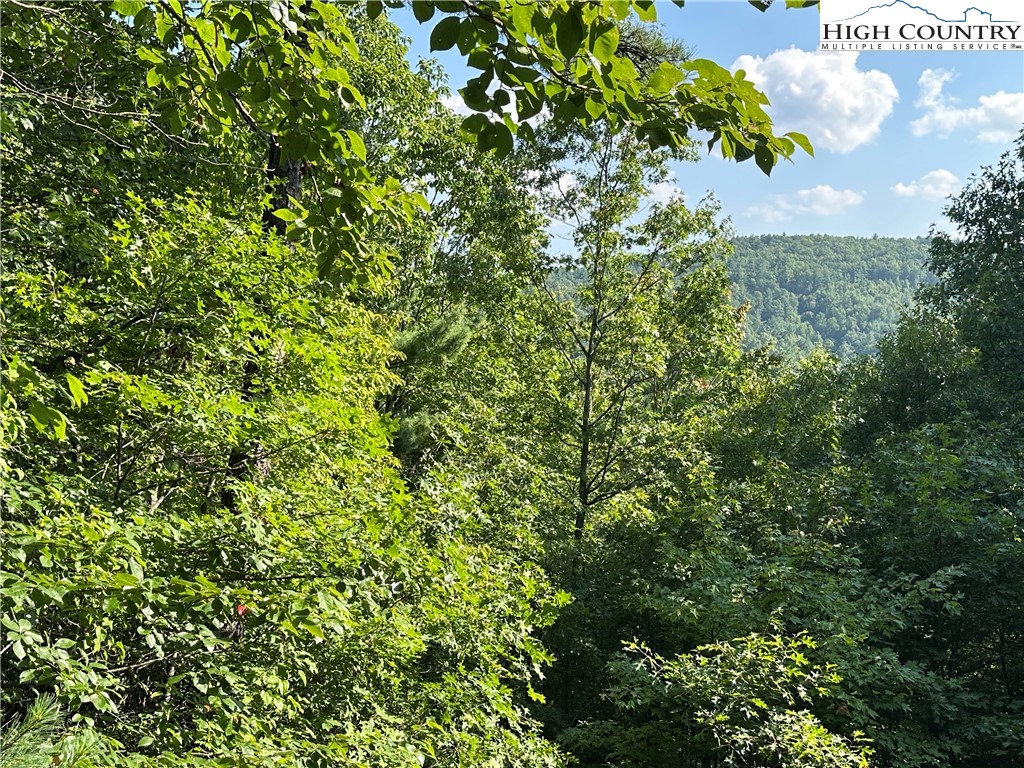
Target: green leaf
{"x": 445, "y": 34}
{"x": 127, "y": 8}
{"x": 606, "y": 44}
{"x": 569, "y": 33}
{"x": 294, "y": 145}
{"x": 240, "y": 27}
{"x": 260, "y": 91}
{"x": 374, "y": 8}
{"x": 801, "y": 141}
{"x": 124, "y": 580}
{"x": 645, "y": 10}
{"x": 355, "y": 142}
{"x": 143, "y": 18}
{"x": 229, "y": 80}
{"x": 709, "y": 70}
{"x": 496, "y": 136}
{"x": 474, "y": 125}
{"x": 313, "y": 629}
{"x": 664, "y": 78}
{"x": 467, "y": 37}
{"x": 77, "y": 390}
{"x": 481, "y": 59}
{"x": 423, "y": 10}
{"x": 764, "y": 158}
{"x": 657, "y": 135}
{"x": 44, "y": 418}
{"x": 502, "y": 140}
{"x": 740, "y": 150}
{"x": 476, "y": 97}
{"x": 286, "y": 214}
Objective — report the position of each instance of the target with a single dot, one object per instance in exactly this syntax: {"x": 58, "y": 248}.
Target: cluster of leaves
{"x": 329, "y": 614}
{"x": 281, "y": 73}
{"x": 936, "y": 489}
{"x": 211, "y": 557}
{"x": 742, "y": 702}
{"x": 565, "y": 57}
{"x": 865, "y": 516}
{"x": 593, "y": 403}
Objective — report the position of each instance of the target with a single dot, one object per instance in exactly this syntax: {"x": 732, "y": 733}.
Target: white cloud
{"x": 561, "y": 185}
{"x": 455, "y": 103}
{"x": 996, "y": 118}
{"x": 663, "y": 192}
{"x": 557, "y": 188}
{"x": 934, "y": 185}
{"x": 821, "y": 200}
{"x": 823, "y": 95}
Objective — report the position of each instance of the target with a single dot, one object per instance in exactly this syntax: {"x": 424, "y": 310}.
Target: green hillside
{"x": 842, "y": 293}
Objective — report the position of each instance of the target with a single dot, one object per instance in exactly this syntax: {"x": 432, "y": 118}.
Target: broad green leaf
{"x": 445, "y": 34}
{"x": 657, "y": 134}
{"x": 606, "y": 44}
{"x": 313, "y": 629}
{"x": 127, "y": 8}
{"x": 476, "y": 97}
{"x": 569, "y": 32}
{"x": 230, "y": 80}
{"x": 355, "y": 141}
{"x": 664, "y": 78}
{"x": 646, "y": 10}
{"x": 45, "y": 418}
{"x": 467, "y": 37}
{"x": 801, "y": 141}
{"x": 240, "y": 27}
{"x": 496, "y": 136}
{"x": 423, "y": 10}
{"x": 78, "y": 394}
{"x": 260, "y": 91}
{"x": 764, "y": 158}
{"x": 594, "y": 108}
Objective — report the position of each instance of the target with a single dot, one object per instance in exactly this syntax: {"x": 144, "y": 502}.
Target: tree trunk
{"x": 284, "y": 182}
{"x": 583, "y": 475}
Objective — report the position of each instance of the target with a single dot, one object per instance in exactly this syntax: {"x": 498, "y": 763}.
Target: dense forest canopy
{"x": 318, "y": 452}
{"x": 811, "y": 291}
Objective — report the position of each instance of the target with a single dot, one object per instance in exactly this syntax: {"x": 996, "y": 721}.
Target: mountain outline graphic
{"x": 934, "y": 16}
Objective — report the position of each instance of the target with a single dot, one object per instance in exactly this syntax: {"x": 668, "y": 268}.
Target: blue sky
{"x": 894, "y": 131}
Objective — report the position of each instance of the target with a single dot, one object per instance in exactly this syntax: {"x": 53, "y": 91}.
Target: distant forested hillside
{"x": 841, "y": 293}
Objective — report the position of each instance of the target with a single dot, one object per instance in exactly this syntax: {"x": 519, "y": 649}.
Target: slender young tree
{"x": 636, "y": 310}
